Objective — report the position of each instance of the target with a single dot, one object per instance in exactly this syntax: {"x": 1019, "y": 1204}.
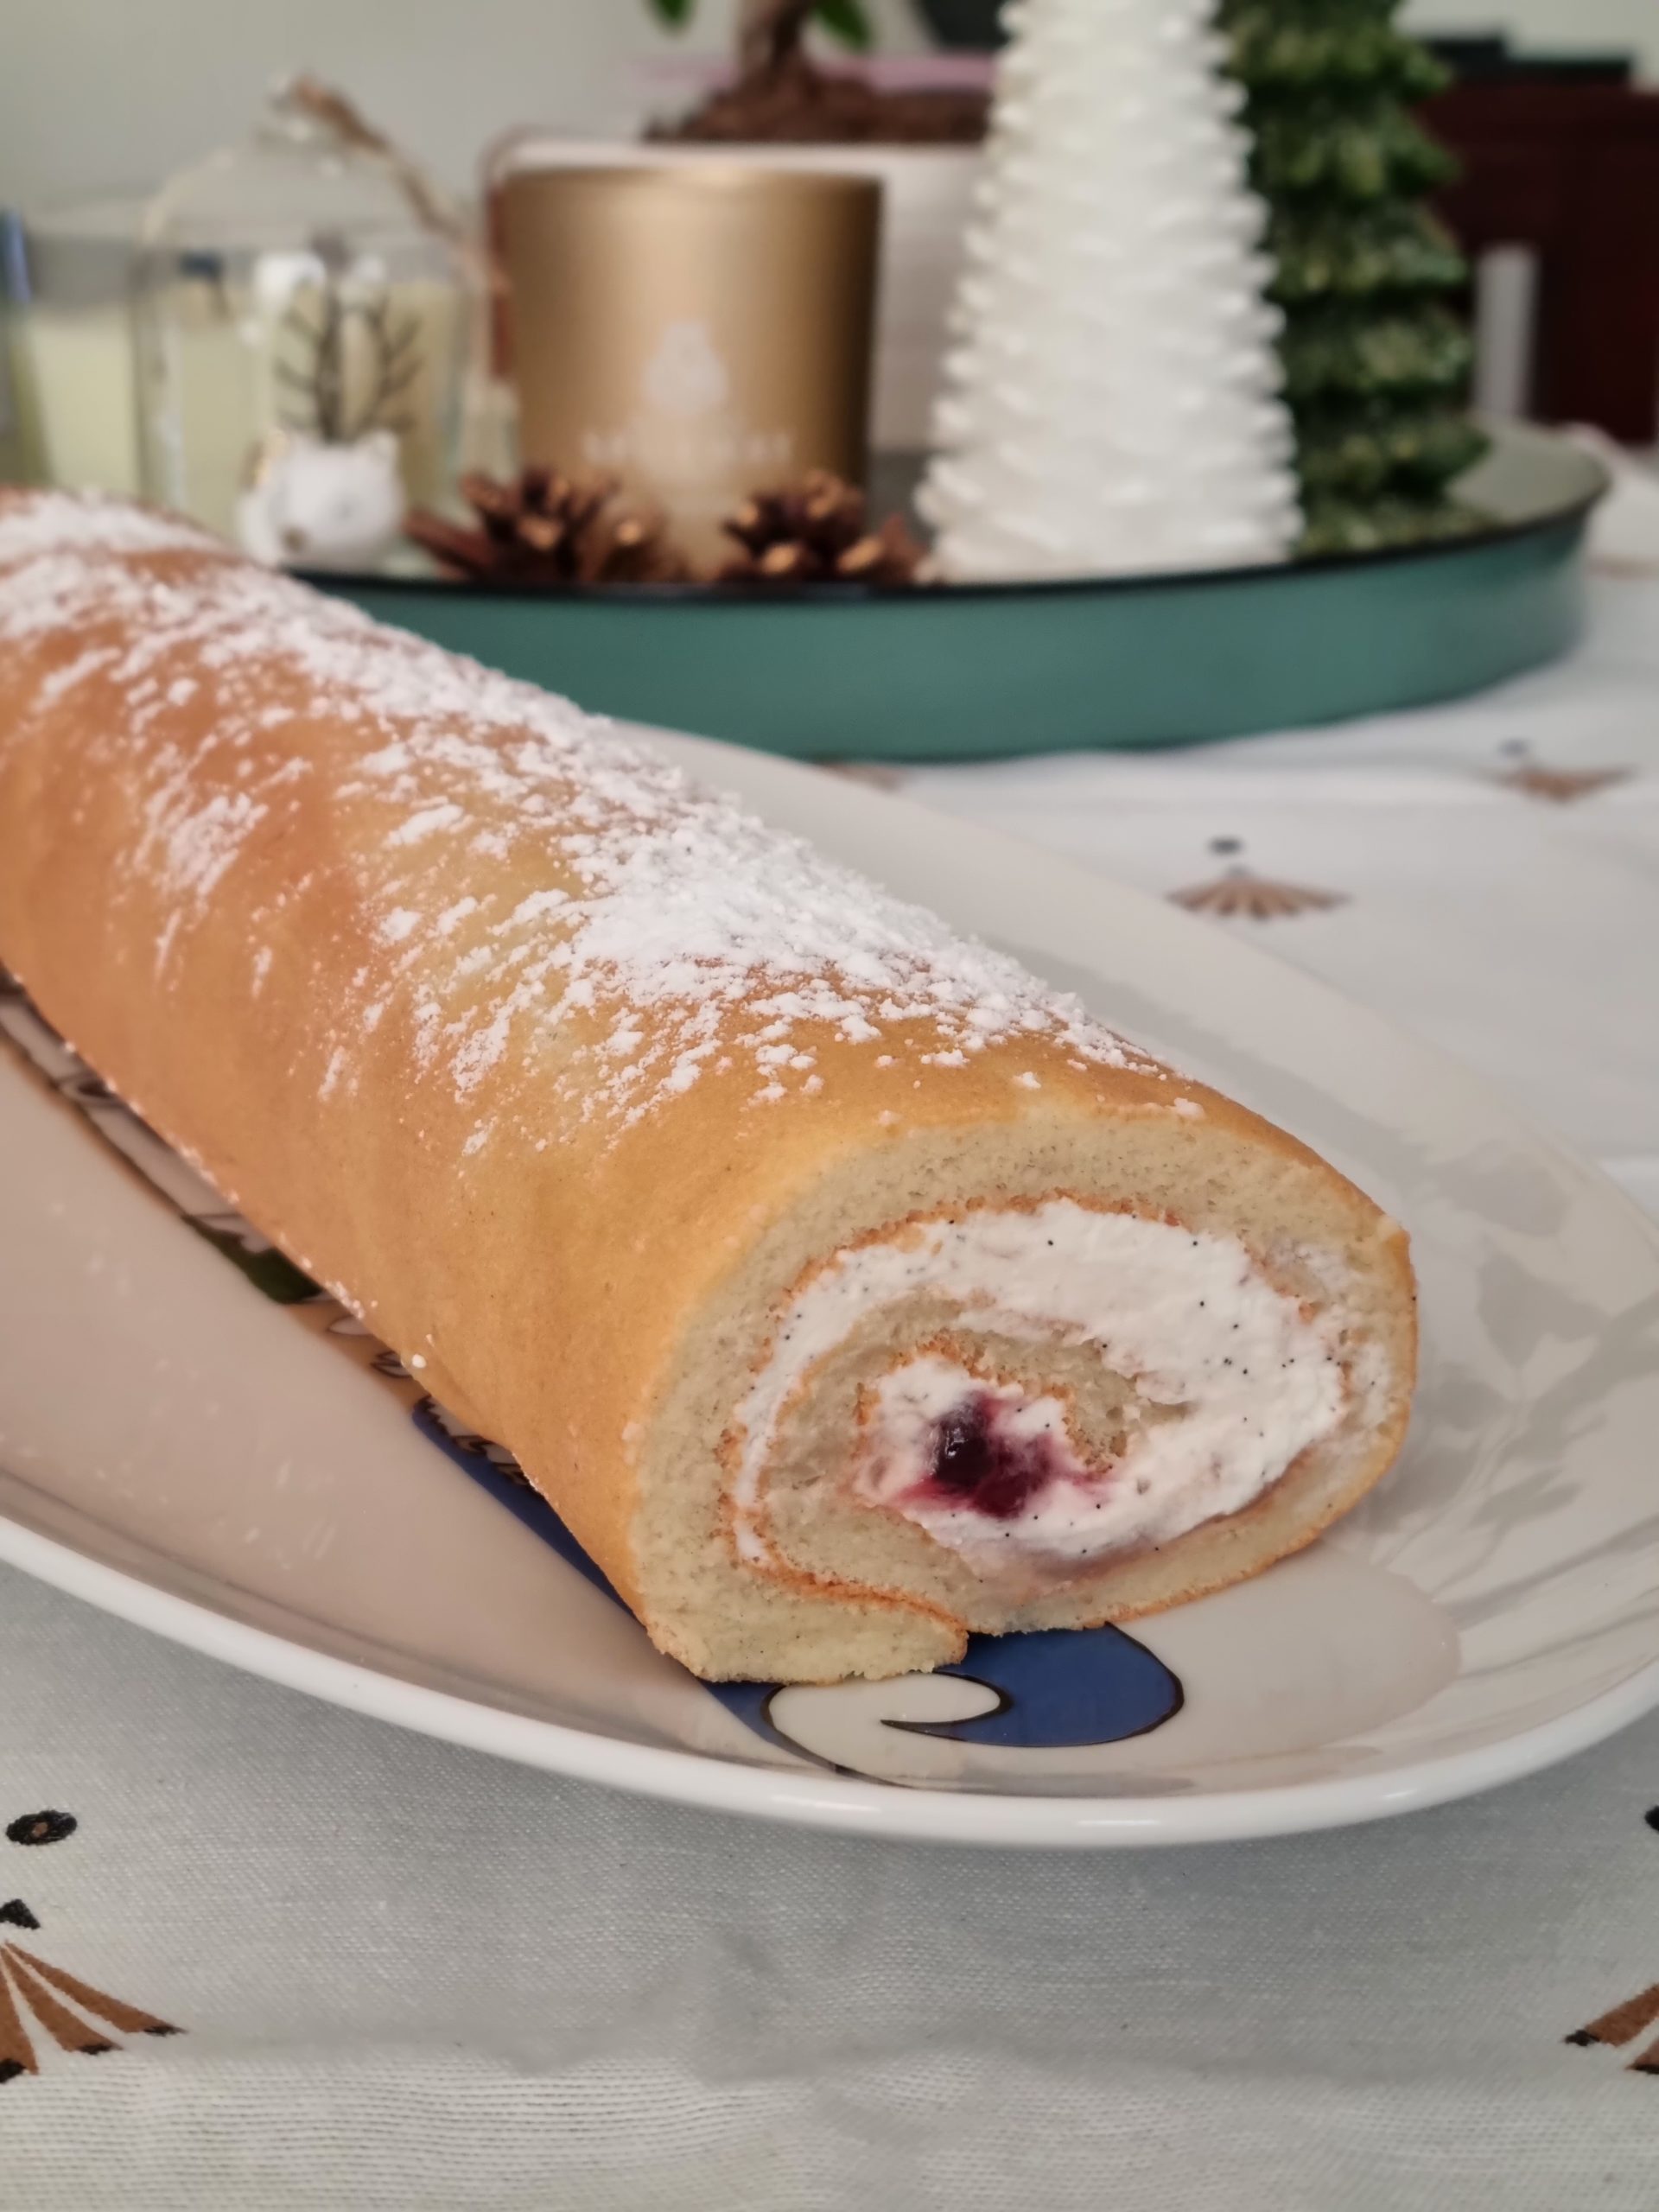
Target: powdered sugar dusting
{"x": 61, "y": 522}
{"x": 197, "y": 843}
{"x": 683, "y": 932}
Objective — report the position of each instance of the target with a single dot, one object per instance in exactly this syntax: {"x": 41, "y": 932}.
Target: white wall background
{"x": 1625, "y": 26}
{"x": 103, "y": 94}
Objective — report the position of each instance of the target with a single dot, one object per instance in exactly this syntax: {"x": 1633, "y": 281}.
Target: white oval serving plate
{"x": 178, "y": 1449}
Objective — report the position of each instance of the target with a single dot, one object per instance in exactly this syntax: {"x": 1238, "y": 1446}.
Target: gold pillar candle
{"x": 698, "y": 332}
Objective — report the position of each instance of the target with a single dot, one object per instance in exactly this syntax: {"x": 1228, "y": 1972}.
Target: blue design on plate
{"x": 509, "y": 1488}
{"x": 1060, "y": 1689}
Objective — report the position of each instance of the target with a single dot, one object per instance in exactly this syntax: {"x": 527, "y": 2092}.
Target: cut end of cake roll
{"x": 1078, "y": 1366}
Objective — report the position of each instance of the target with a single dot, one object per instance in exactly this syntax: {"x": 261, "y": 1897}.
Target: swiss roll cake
{"x": 844, "y": 1288}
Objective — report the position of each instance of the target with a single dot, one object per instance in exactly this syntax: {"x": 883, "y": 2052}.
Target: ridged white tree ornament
{"x": 1111, "y": 403}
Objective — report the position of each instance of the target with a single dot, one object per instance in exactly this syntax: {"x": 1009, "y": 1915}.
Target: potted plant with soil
{"x": 780, "y": 94}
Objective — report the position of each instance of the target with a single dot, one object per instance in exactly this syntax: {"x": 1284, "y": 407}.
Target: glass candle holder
{"x": 302, "y": 310}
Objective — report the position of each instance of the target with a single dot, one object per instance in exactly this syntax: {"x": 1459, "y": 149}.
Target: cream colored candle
{"x": 73, "y": 390}
{"x": 68, "y": 341}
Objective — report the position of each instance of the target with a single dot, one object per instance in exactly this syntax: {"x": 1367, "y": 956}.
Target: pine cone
{"x": 549, "y": 529}
{"x": 817, "y": 533}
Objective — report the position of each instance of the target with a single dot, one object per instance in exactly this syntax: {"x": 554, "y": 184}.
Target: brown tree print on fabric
{"x": 1241, "y": 893}
{"x": 1622, "y": 2023}
{"x": 1555, "y": 786}
{"x": 41, "y": 2004}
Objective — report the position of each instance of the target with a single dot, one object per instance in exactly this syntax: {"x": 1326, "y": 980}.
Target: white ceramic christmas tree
{"x": 1111, "y": 403}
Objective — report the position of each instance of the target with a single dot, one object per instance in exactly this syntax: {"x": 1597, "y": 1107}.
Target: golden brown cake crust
{"x": 303, "y": 905}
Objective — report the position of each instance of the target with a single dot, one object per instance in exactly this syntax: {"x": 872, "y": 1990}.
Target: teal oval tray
{"x": 972, "y": 672}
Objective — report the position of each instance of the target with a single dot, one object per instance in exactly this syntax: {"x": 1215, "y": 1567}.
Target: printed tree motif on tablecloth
{"x": 1557, "y": 786}
{"x": 1622, "y": 2023}
{"x": 1241, "y": 893}
{"x": 876, "y": 773}
{"x": 32, "y": 1829}
{"x": 39, "y": 1999}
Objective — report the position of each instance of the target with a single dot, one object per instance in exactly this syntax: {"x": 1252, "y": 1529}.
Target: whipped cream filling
{"x": 1188, "y": 1318}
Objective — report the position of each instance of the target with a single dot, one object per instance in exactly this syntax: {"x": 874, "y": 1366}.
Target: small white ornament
{"x": 1112, "y": 402}
{"x": 318, "y": 506}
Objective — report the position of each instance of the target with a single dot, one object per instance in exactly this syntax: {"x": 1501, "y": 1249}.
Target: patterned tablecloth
{"x": 404, "y": 1976}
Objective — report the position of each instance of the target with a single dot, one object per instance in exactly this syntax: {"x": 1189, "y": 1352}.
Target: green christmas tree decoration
{"x": 1377, "y": 353}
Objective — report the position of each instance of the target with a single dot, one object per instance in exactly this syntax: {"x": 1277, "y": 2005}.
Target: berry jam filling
{"x": 978, "y": 1464}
